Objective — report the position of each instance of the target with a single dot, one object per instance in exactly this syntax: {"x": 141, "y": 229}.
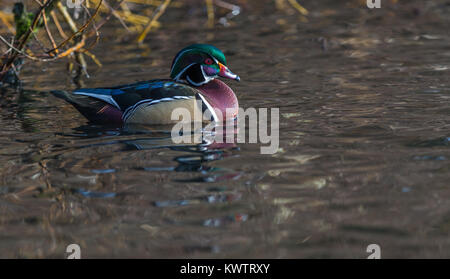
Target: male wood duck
{"x": 193, "y": 77}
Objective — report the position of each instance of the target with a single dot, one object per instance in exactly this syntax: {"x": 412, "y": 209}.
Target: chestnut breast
{"x": 221, "y": 97}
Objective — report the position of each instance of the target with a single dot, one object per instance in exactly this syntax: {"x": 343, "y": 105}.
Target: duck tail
{"x": 60, "y": 94}
{"x": 75, "y": 100}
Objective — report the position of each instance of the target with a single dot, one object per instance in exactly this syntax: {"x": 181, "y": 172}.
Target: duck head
{"x": 199, "y": 64}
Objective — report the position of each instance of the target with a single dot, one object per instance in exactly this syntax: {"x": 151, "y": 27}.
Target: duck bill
{"x": 226, "y": 73}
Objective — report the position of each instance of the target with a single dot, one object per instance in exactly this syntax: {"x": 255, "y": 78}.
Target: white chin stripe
{"x": 205, "y": 76}
{"x": 189, "y": 80}
{"x": 196, "y": 83}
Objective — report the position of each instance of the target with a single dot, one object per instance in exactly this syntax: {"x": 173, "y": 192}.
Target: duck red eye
{"x": 208, "y": 61}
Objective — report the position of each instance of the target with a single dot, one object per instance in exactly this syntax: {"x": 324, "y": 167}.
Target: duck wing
{"x": 98, "y": 104}
{"x": 125, "y": 97}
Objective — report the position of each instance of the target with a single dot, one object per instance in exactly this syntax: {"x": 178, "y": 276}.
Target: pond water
{"x": 363, "y": 158}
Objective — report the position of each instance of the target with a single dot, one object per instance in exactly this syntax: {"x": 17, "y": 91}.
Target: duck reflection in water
{"x": 212, "y": 147}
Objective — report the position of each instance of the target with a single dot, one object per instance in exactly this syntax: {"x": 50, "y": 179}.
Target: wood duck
{"x": 193, "y": 85}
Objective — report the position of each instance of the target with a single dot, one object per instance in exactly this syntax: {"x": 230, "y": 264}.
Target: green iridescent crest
{"x": 195, "y": 54}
